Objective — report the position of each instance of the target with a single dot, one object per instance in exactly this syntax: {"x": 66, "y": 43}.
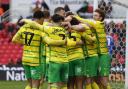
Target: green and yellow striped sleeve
{"x": 18, "y": 37}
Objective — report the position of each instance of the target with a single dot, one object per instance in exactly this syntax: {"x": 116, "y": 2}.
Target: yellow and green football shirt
{"x": 47, "y": 30}
{"x": 56, "y": 54}
{"x": 31, "y": 38}
{"x": 90, "y": 42}
{"x": 74, "y": 52}
{"x": 100, "y": 34}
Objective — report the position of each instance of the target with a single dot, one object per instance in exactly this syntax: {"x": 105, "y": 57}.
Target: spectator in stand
{"x": 5, "y": 4}
{"x": 66, "y": 8}
{"x": 84, "y": 8}
{"x": 38, "y": 7}
{"x": 44, "y": 5}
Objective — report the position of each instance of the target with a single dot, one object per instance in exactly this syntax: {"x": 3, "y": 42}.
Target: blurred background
{"x": 11, "y": 11}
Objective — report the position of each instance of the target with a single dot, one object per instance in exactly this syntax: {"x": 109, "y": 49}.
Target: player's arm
{"x": 33, "y": 24}
{"x": 90, "y": 38}
{"x": 85, "y": 21}
{"x": 78, "y": 28}
{"x": 17, "y": 38}
{"x": 71, "y": 43}
{"x": 53, "y": 42}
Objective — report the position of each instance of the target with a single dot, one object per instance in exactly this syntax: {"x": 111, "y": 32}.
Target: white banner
{"x": 20, "y": 8}
{"x": 74, "y": 5}
{"x": 24, "y": 7}
{"x": 11, "y": 73}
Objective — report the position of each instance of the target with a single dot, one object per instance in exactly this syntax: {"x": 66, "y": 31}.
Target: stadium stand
{"x": 9, "y": 52}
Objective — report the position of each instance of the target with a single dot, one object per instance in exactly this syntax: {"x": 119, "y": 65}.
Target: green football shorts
{"x": 91, "y": 66}
{"x": 104, "y": 65}
{"x": 58, "y": 72}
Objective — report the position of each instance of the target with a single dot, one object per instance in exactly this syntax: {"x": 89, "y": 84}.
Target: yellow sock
{"x": 88, "y": 86}
{"x": 74, "y": 87}
{"x": 40, "y": 86}
{"x": 64, "y": 88}
{"x": 53, "y": 86}
{"x": 100, "y": 86}
{"x": 95, "y": 86}
{"x": 108, "y": 86}
{"x": 28, "y": 87}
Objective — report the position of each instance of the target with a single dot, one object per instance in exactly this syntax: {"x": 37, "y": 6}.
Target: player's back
{"x": 57, "y": 53}
{"x": 75, "y": 52}
{"x": 31, "y": 38}
{"x": 90, "y": 47}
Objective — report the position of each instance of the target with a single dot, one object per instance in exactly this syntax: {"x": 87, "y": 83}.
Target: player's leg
{"x": 95, "y": 85}
{"x": 104, "y": 69}
{"x": 43, "y": 71}
{"x": 79, "y": 73}
{"x": 36, "y": 76}
{"x": 95, "y": 72}
{"x": 64, "y": 75}
{"x": 71, "y": 82}
{"x": 79, "y": 82}
{"x": 91, "y": 67}
{"x": 54, "y": 75}
{"x": 87, "y": 73}
{"x": 98, "y": 81}
{"x": 29, "y": 85}
{"x": 71, "y": 79}
{"x": 28, "y": 76}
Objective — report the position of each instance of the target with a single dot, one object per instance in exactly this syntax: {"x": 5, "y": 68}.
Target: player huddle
{"x": 65, "y": 50}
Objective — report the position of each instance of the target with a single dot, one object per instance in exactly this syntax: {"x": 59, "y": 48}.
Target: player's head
{"x": 99, "y": 15}
{"x": 72, "y": 20}
{"x": 46, "y": 14}
{"x": 69, "y": 13}
{"x": 59, "y": 11}
{"x": 39, "y": 16}
{"x": 57, "y": 18}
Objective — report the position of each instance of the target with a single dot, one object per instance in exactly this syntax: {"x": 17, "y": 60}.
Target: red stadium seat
{"x": 5, "y": 59}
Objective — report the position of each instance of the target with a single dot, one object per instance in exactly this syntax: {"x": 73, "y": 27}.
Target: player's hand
{"x": 68, "y": 18}
{"x": 80, "y": 42}
{"x": 65, "y": 41}
{"x": 25, "y": 20}
{"x": 66, "y": 25}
